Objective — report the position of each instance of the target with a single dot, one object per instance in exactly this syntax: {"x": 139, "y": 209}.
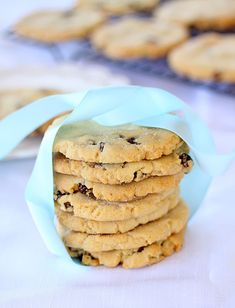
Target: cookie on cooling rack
{"x": 206, "y": 57}
{"x": 134, "y": 37}
{"x": 119, "y": 7}
{"x": 58, "y": 26}
{"x": 202, "y": 14}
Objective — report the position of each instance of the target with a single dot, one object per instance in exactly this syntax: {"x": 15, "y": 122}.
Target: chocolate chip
{"x": 99, "y": 165}
{"x": 92, "y": 258}
{"x": 82, "y": 188}
{"x": 91, "y": 142}
{"x": 79, "y": 253}
{"x": 67, "y": 204}
{"x": 124, "y": 164}
{"x": 140, "y": 249}
{"x": 86, "y": 191}
{"x": 185, "y": 158}
{"x": 59, "y": 194}
{"x": 75, "y": 188}
{"x": 121, "y": 136}
{"x": 101, "y": 146}
{"x": 132, "y": 140}
{"x": 92, "y": 165}
{"x": 135, "y": 175}
{"x": 90, "y": 194}
{"x": 217, "y": 76}
{"x": 142, "y": 176}
{"x": 79, "y": 257}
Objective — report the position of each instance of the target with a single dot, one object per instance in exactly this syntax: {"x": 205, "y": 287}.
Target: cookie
{"x": 141, "y": 236}
{"x": 58, "y": 26}
{"x": 125, "y": 172}
{"x": 134, "y": 37}
{"x": 202, "y": 14}
{"x": 14, "y": 99}
{"x": 125, "y": 192}
{"x": 132, "y": 258}
{"x": 118, "y": 7}
{"x": 206, "y": 57}
{"x": 76, "y": 223}
{"x": 88, "y": 141}
{"x": 82, "y": 206}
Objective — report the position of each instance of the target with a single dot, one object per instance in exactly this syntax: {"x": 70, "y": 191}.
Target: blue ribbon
{"x": 109, "y": 106}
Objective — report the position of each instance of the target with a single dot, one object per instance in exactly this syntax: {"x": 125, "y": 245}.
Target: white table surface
{"x": 201, "y": 275}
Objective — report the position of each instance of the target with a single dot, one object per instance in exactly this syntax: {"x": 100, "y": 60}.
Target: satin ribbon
{"x": 109, "y": 106}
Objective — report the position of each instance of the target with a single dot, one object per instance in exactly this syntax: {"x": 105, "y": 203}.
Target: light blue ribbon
{"x": 109, "y": 106}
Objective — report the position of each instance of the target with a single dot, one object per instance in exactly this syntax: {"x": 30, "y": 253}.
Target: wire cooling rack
{"x": 82, "y": 49}
{"x": 59, "y": 52}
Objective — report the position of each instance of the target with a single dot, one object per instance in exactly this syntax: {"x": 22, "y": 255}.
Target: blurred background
{"x": 183, "y": 46}
{"x": 186, "y": 47}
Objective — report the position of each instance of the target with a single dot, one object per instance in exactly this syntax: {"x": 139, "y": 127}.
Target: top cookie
{"x": 113, "y": 174}
{"x": 203, "y": 14}
{"x": 57, "y": 26}
{"x": 134, "y": 37}
{"x": 88, "y": 141}
{"x": 207, "y": 57}
{"x": 118, "y": 7}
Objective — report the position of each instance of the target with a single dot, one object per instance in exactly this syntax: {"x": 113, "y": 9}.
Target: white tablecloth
{"x": 201, "y": 275}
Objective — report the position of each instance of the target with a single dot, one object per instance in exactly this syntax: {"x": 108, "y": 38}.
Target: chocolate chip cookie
{"x": 58, "y": 26}
{"x": 206, "y": 57}
{"x": 90, "y": 142}
{"x": 80, "y": 205}
{"x": 141, "y": 236}
{"x": 126, "y": 192}
{"x": 75, "y": 223}
{"x": 118, "y": 7}
{"x": 112, "y": 174}
{"x": 202, "y": 14}
{"x": 133, "y": 37}
{"x": 132, "y": 258}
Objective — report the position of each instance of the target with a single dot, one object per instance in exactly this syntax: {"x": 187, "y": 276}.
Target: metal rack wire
{"x": 158, "y": 67}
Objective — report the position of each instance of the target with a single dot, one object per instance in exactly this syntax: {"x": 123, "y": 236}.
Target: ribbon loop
{"x": 149, "y": 107}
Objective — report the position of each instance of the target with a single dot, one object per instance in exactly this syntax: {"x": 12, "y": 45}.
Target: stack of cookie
{"x": 117, "y": 195}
